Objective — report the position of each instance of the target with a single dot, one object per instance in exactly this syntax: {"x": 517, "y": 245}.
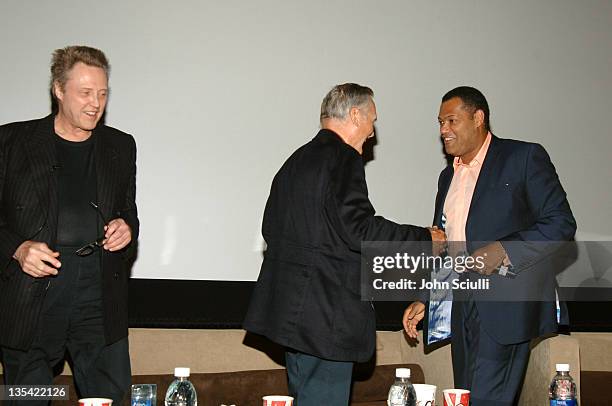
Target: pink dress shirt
{"x": 459, "y": 197}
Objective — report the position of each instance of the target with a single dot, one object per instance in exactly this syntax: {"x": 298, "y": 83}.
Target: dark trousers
{"x": 314, "y": 381}
{"x": 71, "y": 319}
{"x": 493, "y": 372}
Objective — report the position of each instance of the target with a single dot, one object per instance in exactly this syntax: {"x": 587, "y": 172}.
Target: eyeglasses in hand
{"x": 91, "y": 247}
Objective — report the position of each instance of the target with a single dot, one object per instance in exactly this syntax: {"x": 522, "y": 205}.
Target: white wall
{"x": 218, "y": 94}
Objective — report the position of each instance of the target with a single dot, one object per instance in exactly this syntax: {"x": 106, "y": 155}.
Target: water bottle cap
{"x": 562, "y": 367}
{"x": 182, "y": 372}
{"x": 402, "y": 372}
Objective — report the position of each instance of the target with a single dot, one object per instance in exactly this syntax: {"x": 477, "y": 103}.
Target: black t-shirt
{"x": 77, "y": 219}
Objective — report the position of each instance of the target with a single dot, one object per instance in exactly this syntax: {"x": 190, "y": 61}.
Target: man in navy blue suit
{"x": 503, "y": 200}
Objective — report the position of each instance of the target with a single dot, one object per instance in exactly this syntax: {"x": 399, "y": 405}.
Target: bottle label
{"x": 142, "y": 402}
{"x": 569, "y": 402}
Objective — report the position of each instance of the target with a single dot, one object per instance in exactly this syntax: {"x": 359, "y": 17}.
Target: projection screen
{"x": 218, "y": 95}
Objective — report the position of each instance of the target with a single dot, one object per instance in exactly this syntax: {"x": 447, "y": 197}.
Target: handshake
{"x": 492, "y": 256}
{"x": 438, "y": 240}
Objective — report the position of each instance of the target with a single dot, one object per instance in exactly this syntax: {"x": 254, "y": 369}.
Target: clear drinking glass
{"x": 144, "y": 394}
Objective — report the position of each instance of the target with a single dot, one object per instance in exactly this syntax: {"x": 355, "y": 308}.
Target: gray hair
{"x": 339, "y": 101}
{"x": 64, "y": 59}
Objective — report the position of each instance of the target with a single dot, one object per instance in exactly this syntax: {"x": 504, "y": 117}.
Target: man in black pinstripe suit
{"x": 68, "y": 223}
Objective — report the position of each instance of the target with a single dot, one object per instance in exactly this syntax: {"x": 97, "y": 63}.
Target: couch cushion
{"x": 595, "y": 387}
{"x": 239, "y": 388}
{"x": 248, "y": 387}
{"x": 245, "y": 388}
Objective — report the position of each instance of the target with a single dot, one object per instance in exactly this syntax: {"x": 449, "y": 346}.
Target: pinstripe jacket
{"x": 29, "y": 211}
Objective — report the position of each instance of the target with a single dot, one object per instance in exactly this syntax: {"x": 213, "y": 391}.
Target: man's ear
{"x": 57, "y": 91}
{"x": 478, "y": 118}
{"x": 355, "y": 116}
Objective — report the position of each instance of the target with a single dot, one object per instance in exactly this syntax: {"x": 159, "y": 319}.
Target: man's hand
{"x": 491, "y": 255}
{"x": 117, "y": 235}
{"x": 37, "y": 259}
{"x": 412, "y": 315}
{"x": 438, "y": 240}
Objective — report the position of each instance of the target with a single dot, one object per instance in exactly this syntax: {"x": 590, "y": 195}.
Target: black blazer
{"x": 307, "y": 296}
{"x": 518, "y": 200}
{"x": 28, "y": 211}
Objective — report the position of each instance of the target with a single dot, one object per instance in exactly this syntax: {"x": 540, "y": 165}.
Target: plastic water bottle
{"x": 181, "y": 392}
{"x": 402, "y": 392}
{"x": 562, "y": 391}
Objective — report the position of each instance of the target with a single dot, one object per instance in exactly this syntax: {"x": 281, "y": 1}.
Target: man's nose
{"x": 444, "y": 129}
{"x": 95, "y": 100}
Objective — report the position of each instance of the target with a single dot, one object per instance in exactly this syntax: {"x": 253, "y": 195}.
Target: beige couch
{"x": 158, "y": 351}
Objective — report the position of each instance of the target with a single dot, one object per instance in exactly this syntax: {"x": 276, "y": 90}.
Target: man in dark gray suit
{"x": 68, "y": 221}
{"x": 307, "y": 297}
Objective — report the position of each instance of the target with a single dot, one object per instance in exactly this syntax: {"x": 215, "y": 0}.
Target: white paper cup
{"x": 275, "y": 400}
{"x": 456, "y": 397}
{"x": 95, "y": 402}
{"x": 425, "y": 394}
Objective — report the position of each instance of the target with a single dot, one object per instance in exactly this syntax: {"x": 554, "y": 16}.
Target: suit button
{"x": 116, "y": 275}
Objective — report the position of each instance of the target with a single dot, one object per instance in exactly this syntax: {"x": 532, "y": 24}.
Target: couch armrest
{"x": 545, "y": 353}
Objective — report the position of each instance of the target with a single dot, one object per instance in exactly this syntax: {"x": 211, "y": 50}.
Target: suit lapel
{"x": 107, "y": 167}
{"x": 484, "y": 180}
{"x": 445, "y": 181}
